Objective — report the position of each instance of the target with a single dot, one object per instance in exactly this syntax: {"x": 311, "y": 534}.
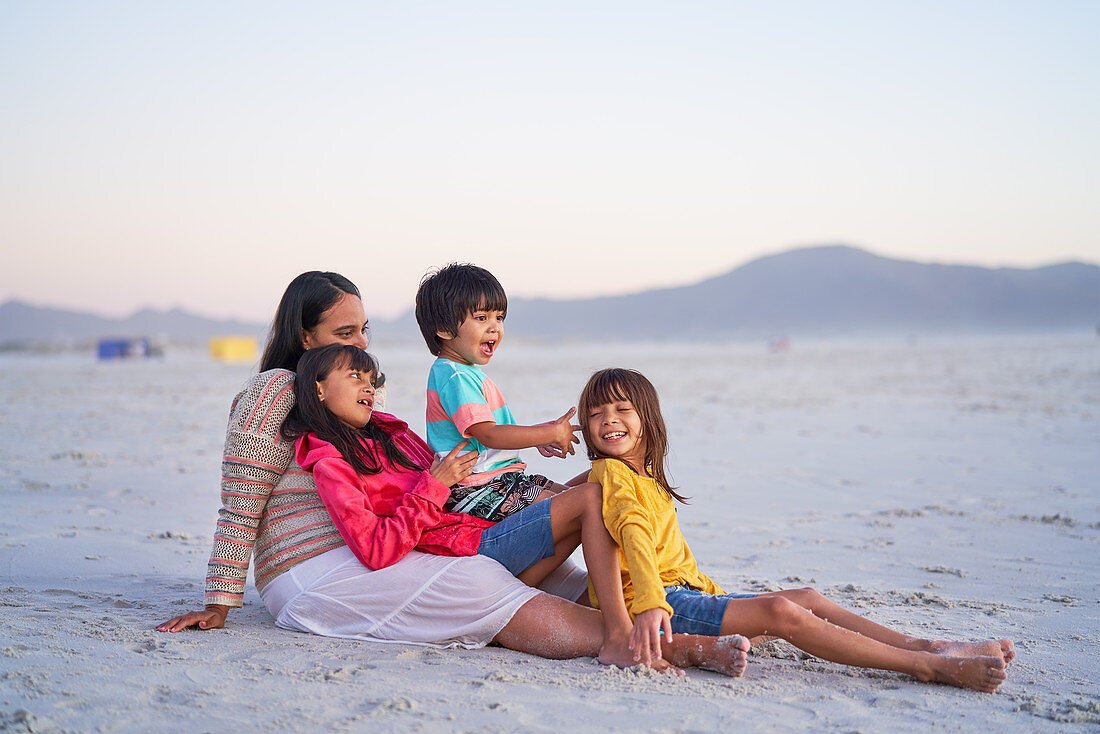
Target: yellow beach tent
{"x": 234, "y": 349}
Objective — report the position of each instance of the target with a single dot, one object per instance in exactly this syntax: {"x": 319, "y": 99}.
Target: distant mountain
{"x": 22, "y": 324}
{"x": 818, "y": 291}
{"x": 825, "y": 291}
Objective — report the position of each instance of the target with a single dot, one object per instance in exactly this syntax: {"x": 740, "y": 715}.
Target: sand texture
{"x": 949, "y": 488}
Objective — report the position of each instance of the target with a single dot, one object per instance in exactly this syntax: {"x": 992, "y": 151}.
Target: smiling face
{"x": 348, "y": 394}
{"x": 477, "y": 339}
{"x": 344, "y": 323}
{"x": 615, "y": 431}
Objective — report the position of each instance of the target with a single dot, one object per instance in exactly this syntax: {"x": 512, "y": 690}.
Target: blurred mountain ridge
{"x": 823, "y": 291}
{"x": 24, "y": 325}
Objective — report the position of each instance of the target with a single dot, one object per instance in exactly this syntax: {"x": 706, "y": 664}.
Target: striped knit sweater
{"x": 270, "y": 508}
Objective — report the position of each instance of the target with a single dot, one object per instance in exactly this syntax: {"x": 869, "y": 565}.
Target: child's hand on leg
{"x": 645, "y": 638}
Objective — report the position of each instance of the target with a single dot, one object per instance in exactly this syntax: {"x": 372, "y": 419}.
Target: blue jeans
{"x": 696, "y": 612}
{"x": 521, "y": 540}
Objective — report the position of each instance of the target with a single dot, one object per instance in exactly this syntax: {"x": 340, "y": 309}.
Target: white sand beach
{"x": 949, "y": 488}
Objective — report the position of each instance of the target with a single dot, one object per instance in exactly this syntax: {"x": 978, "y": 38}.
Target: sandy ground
{"x": 948, "y": 488}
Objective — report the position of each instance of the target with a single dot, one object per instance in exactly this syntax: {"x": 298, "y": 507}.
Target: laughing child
{"x": 461, "y": 309}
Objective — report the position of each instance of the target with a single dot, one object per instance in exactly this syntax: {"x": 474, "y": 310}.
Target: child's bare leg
{"x": 579, "y": 511}
{"x": 838, "y": 615}
{"x": 774, "y": 614}
{"x": 727, "y": 655}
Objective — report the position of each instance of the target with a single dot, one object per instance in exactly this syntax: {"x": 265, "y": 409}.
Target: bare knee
{"x": 806, "y": 597}
{"x": 576, "y": 507}
{"x": 593, "y": 498}
{"x": 590, "y": 490}
{"x": 785, "y": 616}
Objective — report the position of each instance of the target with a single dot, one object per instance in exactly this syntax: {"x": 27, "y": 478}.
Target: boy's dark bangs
{"x": 491, "y": 298}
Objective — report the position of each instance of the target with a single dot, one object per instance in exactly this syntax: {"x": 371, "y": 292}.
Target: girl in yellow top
{"x": 665, "y": 591}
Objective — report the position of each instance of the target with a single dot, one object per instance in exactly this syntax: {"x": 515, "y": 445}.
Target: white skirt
{"x": 440, "y": 601}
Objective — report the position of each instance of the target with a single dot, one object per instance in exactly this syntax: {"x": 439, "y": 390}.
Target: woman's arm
{"x": 254, "y": 460}
{"x": 377, "y": 540}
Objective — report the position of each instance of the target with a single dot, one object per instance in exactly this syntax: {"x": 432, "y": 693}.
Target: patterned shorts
{"x": 500, "y": 497}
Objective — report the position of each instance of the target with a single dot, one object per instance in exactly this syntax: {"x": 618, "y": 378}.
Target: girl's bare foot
{"x": 983, "y": 673}
{"x": 992, "y": 648}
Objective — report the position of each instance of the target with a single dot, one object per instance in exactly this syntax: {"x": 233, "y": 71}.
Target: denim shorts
{"x": 696, "y": 612}
{"x": 521, "y": 540}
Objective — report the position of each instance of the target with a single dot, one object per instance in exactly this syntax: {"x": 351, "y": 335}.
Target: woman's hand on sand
{"x": 455, "y": 466}
{"x": 645, "y": 638}
{"x": 213, "y": 617}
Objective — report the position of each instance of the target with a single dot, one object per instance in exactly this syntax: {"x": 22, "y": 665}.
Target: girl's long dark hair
{"x": 303, "y": 304}
{"x": 310, "y": 415}
{"x": 615, "y": 384}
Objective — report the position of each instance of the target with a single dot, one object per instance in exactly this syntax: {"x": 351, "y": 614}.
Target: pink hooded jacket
{"x": 384, "y": 516}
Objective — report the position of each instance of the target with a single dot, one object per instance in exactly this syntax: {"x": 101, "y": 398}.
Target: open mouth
{"x": 613, "y": 436}
{"x": 487, "y": 348}
{"x": 368, "y": 403}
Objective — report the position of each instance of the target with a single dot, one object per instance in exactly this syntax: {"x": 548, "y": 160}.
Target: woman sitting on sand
{"x": 309, "y": 579}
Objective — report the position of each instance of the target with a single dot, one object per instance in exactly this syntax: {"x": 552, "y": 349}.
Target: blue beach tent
{"x": 122, "y": 348}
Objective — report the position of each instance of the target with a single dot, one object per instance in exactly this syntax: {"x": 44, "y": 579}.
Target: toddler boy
{"x": 460, "y": 309}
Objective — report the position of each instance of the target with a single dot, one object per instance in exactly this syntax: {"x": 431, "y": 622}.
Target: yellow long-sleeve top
{"x": 653, "y": 553}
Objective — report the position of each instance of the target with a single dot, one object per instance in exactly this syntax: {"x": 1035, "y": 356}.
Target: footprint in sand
{"x": 396, "y": 705}
{"x": 147, "y": 646}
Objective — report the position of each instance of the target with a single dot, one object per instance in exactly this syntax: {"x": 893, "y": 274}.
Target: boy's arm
{"x": 559, "y": 432}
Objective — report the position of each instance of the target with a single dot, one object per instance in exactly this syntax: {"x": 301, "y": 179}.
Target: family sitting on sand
{"x": 360, "y": 529}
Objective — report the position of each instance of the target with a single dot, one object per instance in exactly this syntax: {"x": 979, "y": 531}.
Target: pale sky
{"x": 202, "y": 154}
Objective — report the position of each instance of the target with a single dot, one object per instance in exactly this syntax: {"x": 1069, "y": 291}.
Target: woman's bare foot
{"x": 620, "y": 655}
{"x": 983, "y": 673}
{"x": 992, "y": 648}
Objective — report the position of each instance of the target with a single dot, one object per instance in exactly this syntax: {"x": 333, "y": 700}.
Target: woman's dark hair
{"x": 447, "y": 296}
{"x": 309, "y": 414}
{"x": 304, "y": 303}
{"x": 615, "y": 384}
